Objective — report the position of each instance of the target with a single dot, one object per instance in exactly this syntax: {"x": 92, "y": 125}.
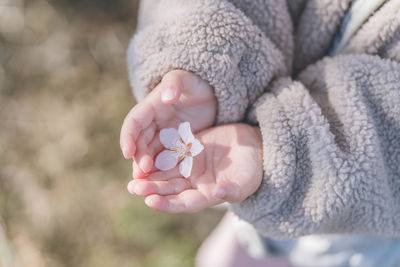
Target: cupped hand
{"x": 181, "y": 96}
{"x": 228, "y": 169}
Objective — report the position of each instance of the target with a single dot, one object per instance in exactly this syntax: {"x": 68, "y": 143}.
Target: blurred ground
{"x": 63, "y": 95}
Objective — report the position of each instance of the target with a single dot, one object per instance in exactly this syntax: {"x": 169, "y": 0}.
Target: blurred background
{"x": 63, "y": 95}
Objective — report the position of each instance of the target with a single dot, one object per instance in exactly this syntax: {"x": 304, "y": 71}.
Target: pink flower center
{"x": 183, "y": 150}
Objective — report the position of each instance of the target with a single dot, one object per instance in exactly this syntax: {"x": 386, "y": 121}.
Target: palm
{"x": 224, "y": 160}
{"x": 231, "y": 159}
{"x": 195, "y": 103}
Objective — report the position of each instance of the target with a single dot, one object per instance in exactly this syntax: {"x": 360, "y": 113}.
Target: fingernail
{"x": 168, "y": 94}
{"x": 221, "y": 193}
{"x": 143, "y": 166}
{"x": 124, "y": 151}
{"x": 131, "y": 188}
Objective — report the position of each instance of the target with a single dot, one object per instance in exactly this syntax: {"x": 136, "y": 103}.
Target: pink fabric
{"x": 222, "y": 249}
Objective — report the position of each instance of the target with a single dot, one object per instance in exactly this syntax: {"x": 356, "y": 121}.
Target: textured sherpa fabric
{"x": 272, "y": 21}
{"x": 214, "y": 40}
{"x": 385, "y": 26}
{"x": 331, "y": 134}
{"x": 315, "y": 30}
{"x": 332, "y": 152}
{"x": 331, "y": 141}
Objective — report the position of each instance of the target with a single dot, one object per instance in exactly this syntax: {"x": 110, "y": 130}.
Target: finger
{"x": 164, "y": 175}
{"x": 178, "y": 82}
{"x": 227, "y": 191}
{"x": 163, "y": 188}
{"x": 150, "y": 153}
{"x": 155, "y": 147}
{"x": 171, "y": 87}
{"x": 188, "y": 201}
{"x": 147, "y": 153}
{"x": 130, "y": 188}
{"x": 129, "y": 132}
{"x": 138, "y": 119}
{"x": 137, "y": 172}
{"x": 191, "y": 85}
{"x": 142, "y": 156}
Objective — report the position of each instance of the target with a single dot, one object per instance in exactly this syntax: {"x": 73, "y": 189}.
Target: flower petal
{"x": 186, "y": 133}
{"x": 185, "y": 168}
{"x": 166, "y": 160}
{"x": 196, "y": 148}
{"x": 169, "y": 138}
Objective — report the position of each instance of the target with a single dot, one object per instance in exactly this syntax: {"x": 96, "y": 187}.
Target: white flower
{"x": 181, "y": 146}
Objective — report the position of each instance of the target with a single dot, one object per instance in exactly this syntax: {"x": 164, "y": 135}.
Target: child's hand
{"x": 181, "y": 96}
{"x": 229, "y": 169}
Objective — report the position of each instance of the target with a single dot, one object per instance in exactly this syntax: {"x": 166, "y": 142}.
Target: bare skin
{"x": 181, "y": 96}
{"x": 229, "y": 168}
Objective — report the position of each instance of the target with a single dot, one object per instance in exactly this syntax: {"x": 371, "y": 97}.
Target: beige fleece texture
{"x": 213, "y": 39}
{"x": 331, "y": 135}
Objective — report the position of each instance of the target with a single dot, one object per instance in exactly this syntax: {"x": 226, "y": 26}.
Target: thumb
{"x": 171, "y": 87}
{"x": 228, "y": 191}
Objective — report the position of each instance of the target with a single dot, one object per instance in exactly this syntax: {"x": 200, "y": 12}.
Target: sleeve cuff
{"x": 215, "y": 41}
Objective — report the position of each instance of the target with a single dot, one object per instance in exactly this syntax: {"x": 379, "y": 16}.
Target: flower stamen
{"x": 181, "y": 146}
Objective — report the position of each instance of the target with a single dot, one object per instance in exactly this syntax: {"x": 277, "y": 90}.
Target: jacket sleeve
{"x": 214, "y": 39}
{"x": 331, "y": 146}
